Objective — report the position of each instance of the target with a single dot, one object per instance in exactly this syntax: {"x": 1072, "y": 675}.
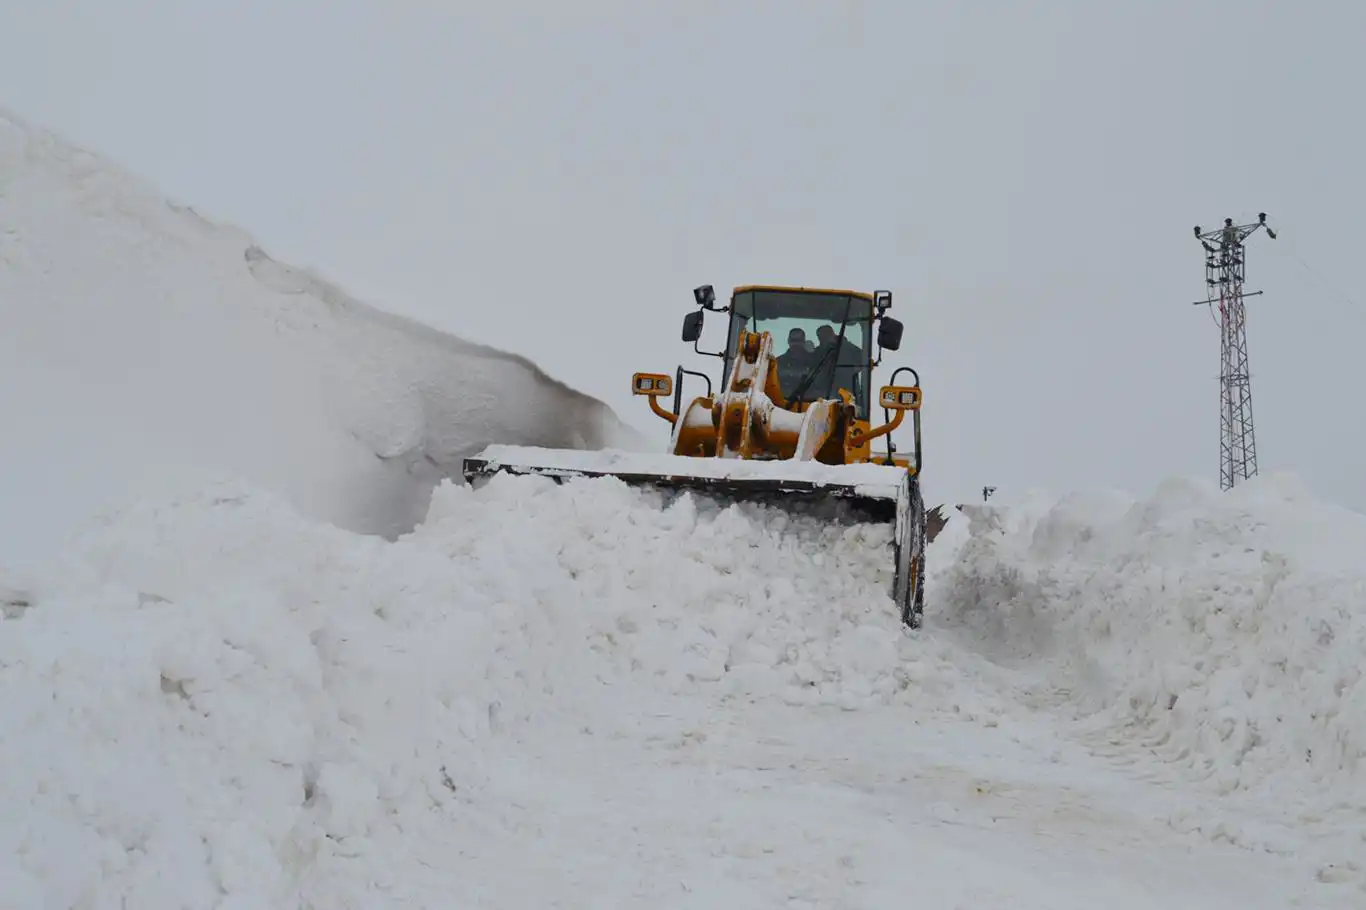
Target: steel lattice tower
{"x": 1225, "y": 261}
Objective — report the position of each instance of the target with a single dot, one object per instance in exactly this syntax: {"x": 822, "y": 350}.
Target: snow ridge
{"x": 1224, "y": 633}
{"x": 147, "y": 351}
{"x": 214, "y": 699}
{"x": 218, "y": 703}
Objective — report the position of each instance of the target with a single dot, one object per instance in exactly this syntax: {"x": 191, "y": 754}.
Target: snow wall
{"x": 1224, "y": 633}
{"x": 146, "y": 349}
{"x": 213, "y": 702}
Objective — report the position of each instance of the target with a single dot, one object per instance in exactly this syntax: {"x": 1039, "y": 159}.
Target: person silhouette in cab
{"x": 794, "y": 363}
{"x": 849, "y": 353}
{"x": 798, "y": 352}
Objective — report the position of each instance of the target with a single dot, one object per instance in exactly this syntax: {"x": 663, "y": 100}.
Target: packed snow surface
{"x": 576, "y": 695}
{"x": 147, "y": 350}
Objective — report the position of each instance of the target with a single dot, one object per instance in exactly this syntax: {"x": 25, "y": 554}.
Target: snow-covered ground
{"x": 579, "y": 695}
{"x": 145, "y": 349}
{"x": 587, "y": 695}
{"x": 1221, "y": 635}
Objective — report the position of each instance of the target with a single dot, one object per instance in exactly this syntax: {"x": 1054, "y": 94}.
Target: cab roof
{"x": 777, "y": 287}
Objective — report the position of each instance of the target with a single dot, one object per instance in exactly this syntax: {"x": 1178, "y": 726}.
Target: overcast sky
{"x": 554, "y": 179}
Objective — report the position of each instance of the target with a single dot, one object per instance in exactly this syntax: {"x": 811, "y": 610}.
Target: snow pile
{"x": 747, "y": 600}
{"x": 197, "y": 708}
{"x": 147, "y": 351}
{"x": 215, "y": 699}
{"x": 1225, "y": 632}
{"x": 214, "y": 702}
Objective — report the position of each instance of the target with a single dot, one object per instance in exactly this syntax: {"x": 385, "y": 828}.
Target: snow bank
{"x": 146, "y": 351}
{"x": 217, "y": 698}
{"x": 214, "y": 699}
{"x": 1226, "y": 633}
{"x": 214, "y": 702}
{"x": 749, "y": 599}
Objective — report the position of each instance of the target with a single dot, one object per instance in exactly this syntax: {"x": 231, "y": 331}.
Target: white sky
{"x": 556, "y": 180}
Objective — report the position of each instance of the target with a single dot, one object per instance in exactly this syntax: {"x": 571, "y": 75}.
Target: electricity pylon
{"x": 1225, "y": 258}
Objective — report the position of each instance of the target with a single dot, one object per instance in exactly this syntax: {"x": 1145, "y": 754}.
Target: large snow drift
{"x": 1225, "y": 634}
{"x": 216, "y": 699}
{"x": 145, "y": 349}
{"x": 569, "y": 696}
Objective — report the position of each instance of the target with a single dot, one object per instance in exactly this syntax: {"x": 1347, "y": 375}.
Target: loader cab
{"x": 822, "y": 339}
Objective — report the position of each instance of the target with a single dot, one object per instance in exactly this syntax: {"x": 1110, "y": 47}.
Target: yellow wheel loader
{"x": 785, "y": 427}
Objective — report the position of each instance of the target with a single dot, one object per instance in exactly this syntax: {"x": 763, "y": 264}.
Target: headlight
{"x": 900, "y": 398}
{"x": 652, "y": 384}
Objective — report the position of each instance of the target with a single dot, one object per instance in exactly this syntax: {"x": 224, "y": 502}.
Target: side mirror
{"x": 889, "y": 333}
{"x": 692, "y": 326}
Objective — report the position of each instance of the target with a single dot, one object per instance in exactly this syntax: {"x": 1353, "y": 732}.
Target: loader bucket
{"x": 867, "y": 492}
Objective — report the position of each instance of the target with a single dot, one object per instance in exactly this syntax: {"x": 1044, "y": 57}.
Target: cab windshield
{"x": 820, "y": 340}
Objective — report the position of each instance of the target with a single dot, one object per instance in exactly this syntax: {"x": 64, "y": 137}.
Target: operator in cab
{"x": 796, "y": 361}
{"x": 840, "y": 363}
